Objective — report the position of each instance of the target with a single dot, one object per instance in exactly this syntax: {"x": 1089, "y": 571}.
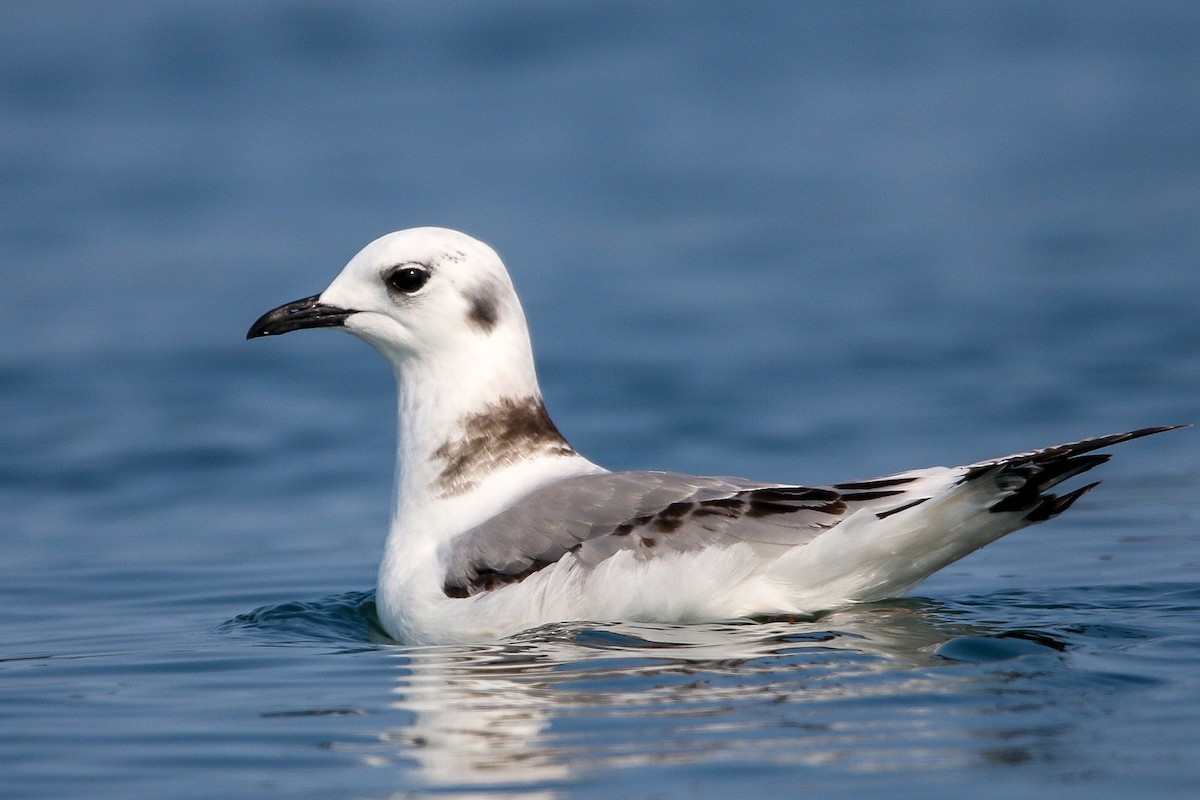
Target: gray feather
{"x": 647, "y": 513}
{"x": 596, "y": 516}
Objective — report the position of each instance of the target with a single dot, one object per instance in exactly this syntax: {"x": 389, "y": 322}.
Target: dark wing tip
{"x": 1063, "y": 451}
{"x": 1051, "y": 506}
{"x": 1117, "y": 438}
{"x": 1039, "y": 470}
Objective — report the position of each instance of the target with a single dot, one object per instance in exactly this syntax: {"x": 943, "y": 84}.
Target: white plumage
{"x": 500, "y": 526}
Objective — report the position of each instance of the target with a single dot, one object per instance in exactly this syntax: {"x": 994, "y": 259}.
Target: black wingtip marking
{"x": 1028, "y": 476}
{"x": 1051, "y": 506}
{"x": 1061, "y": 451}
{"x": 1038, "y": 477}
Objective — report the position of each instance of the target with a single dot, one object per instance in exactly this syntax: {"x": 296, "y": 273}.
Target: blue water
{"x": 810, "y": 242}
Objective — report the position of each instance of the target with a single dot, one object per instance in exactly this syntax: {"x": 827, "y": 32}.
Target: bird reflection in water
{"x": 885, "y": 687}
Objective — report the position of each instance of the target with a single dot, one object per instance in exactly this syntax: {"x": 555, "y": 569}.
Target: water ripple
{"x": 346, "y": 617}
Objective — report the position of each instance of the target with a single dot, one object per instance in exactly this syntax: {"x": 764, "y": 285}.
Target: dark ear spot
{"x": 484, "y": 311}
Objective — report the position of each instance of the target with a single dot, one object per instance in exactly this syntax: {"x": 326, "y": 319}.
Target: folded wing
{"x": 649, "y": 514}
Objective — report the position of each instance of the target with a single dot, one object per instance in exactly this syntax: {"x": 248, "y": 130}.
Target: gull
{"x": 500, "y": 526}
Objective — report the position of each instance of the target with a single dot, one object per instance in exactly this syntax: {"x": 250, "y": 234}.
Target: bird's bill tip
{"x": 309, "y": 312}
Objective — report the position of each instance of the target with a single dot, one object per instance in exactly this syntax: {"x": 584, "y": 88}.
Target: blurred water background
{"x": 790, "y": 241}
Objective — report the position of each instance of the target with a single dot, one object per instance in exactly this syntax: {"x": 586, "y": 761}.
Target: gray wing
{"x": 648, "y": 513}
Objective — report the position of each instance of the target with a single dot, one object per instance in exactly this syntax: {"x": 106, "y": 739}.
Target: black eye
{"x": 407, "y": 280}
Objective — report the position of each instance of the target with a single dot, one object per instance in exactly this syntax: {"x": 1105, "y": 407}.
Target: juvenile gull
{"x": 500, "y": 525}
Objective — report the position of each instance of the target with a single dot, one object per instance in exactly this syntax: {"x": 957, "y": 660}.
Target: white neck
{"x": 473, "y": 436}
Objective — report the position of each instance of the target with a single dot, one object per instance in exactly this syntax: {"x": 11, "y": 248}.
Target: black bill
{"x": 306, "y": 313}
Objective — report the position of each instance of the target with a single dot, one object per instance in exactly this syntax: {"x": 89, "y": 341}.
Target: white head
{"x": 441, "y": 307}
{"x": 424, "y": 293}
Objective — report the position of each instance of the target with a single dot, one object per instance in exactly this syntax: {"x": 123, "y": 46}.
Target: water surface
{"x": 808, "y": 243}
